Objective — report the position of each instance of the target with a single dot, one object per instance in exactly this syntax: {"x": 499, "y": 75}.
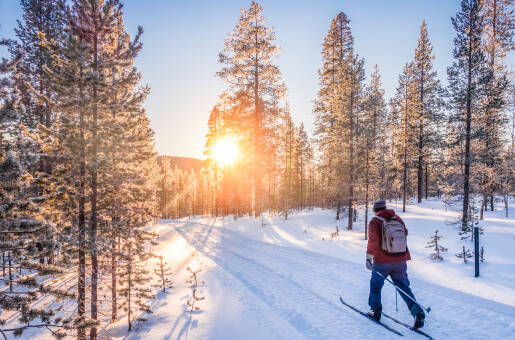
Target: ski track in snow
{"x": 312, "y": 315}
{"x": 303, "y": 288}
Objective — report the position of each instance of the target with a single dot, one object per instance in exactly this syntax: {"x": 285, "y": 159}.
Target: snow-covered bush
{"x": 464, "y": 254}
{"x": 193, "y": 282}
{"x": 438, "y": 249}
{"x": 163, "y": 271}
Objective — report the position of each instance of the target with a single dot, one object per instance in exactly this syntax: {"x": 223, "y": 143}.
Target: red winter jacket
{"x": 374, "y": 239}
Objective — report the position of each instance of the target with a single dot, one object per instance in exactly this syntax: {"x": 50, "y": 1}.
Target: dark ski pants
{"x": 397, "y": 272}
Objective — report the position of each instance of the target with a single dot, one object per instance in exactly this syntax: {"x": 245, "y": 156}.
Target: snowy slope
{"x": 277, "y": 279}
{"x": 282, "y": 281}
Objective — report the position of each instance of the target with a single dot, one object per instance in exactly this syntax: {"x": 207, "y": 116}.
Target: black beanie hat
{"x": 379, "y": 205}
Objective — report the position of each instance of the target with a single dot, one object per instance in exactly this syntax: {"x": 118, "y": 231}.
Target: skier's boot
{"x": 375, "y": 314}
{"x": 419, "y": 320}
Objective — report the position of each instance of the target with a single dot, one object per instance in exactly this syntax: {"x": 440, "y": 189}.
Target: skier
{"x": 387, "y": 253}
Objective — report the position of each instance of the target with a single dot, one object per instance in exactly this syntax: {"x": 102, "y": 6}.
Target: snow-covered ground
{"x": 282, "y": 280}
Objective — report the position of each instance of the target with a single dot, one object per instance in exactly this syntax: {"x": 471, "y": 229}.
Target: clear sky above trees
{"x": 182, "y": 40}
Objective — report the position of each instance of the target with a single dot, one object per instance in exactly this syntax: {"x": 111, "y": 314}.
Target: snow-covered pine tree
{"x": 429, "y": 105}
{"x": 214, "y": 125}
{"x": 336, "y": 108}
{"x": 404, "y": 115}
{"x": 472, "y": 222}
{"x": 163, "y": 271}
{"x": 438, "y": 249}
{"x": 126, "y": 177}
{"x": 164, "y": 187}
{"x": 129, "y": 202}
{"x": 467, "y": 77}
{"x": 498, "y": 32}
{"x": 499, "y": 24}
{"x": 506, "y": 171}
{"x": 65, "y": 145}
{"x": 134, "y": 277}
{"x": 287, "y": 153}
{"x": 194, "y": 282}
{"x": 304, "y": 156}
{"x": 40, "y": 17}
{"x": 371, "y": 131}
{"x": 95, "y": 25}
{"x": 22, "y": 221}
{"x": 231, "y": 121}
{"x": 464, "y": 254}
{"x": 112, "y": 178}
{"x": 228, "y": 123}
{"x": 251, "y": 73}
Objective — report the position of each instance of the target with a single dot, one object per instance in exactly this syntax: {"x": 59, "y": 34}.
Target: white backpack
{"x": 393, "y": 237}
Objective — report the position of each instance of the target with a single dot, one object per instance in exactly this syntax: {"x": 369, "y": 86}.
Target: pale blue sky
{"x": 182, "y": 40}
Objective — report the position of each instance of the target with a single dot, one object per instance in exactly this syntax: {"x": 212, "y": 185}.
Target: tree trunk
{"x": 483, "y": 206}
{"x": 257, "y": 132}
{"x": 466, "y": 176}
{"x": 405, "y": 165}
{"x": 94, "y": 188}
{"x": 81, "y": 285}
{"x": 114, "y": 301}
{"x": 366, "y": 190}
{"x": 351, "y": 162}
{"x": 129, "y": 288}
{"x": 9, "y": 263}
{"x": 420, "y": 140}
{"x": 301, "y": 184}
{"x": 427, "y": 180}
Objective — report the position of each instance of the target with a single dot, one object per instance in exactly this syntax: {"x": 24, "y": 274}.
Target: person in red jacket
{"x": 383, "y": 265}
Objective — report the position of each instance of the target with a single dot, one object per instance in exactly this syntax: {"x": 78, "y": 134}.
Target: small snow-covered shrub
{"x": 438, "y": 249}
{"x": 464, "y": 254}
{"x": 193, "y": 282}
{"x": 164, "y": 272}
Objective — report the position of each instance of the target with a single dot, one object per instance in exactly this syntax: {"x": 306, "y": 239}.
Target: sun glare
{"x": 226, "y": 151}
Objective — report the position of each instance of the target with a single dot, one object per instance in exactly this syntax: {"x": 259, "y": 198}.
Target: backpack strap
{"x": 397, "y": 218}
{"x": 379, "y": 218}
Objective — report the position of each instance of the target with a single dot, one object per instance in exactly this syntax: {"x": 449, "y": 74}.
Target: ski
{"x": 408, "y": 326}
{"x": 368, "y": 317}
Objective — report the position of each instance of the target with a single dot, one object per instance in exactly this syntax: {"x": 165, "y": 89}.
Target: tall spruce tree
{"x": 371, "y": 131}
{"x": 336, "y": 107}
{"x": 429, "y": 106}
{"x": 250, "y": 70}
{"x": 135, "y": 277}
{"x": 288, "y": 155}
{"x": 40, "y": 17}
{"x": 24, "y": 226}
{"x": 304, "y": 155}
{"x": 405, "y": 113}
{"x": 497, "y": 42}
{"x": 102, "y": 135}
{"x": 467, "y": 77}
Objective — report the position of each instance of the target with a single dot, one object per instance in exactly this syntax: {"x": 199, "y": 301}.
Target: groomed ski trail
{"x": 311, "y": 314}
{"x": 303, "y": 288}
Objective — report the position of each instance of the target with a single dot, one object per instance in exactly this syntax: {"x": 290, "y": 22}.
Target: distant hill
{"x": 184, "y": 163}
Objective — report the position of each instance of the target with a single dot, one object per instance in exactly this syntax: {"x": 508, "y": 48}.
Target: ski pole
{"x": 396, "y": 309}
{"x": 403, "y": 292}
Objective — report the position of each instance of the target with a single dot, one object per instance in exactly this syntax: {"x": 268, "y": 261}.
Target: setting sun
{"x": 226, "y": 151}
